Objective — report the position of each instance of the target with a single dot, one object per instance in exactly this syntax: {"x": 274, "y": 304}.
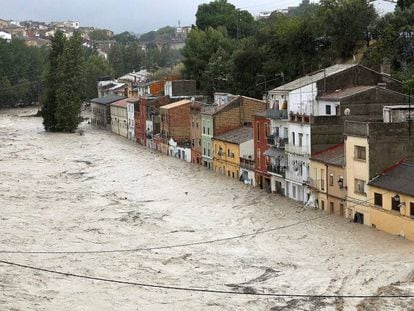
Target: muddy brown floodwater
{"x": 98, "y": 192}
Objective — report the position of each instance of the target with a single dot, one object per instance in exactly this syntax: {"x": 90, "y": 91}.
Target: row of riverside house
{"x": 339, "y": 139}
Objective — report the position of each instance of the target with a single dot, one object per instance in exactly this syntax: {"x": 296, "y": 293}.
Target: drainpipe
{"x": 327, "y": 185}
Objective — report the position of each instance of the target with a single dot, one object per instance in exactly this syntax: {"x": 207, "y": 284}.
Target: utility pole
{"x": 238, "y": 24}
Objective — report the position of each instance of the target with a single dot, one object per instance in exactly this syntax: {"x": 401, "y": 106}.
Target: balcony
{"x": 300, "y": 117}
{"x": 312, "y": 183}
{"x": 247, "y": 164}
{"x": 277, "y": 170}
{"x": 277, "y": 142}
{"x": 299, "y": 150}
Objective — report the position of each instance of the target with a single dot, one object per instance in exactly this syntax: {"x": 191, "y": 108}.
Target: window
{"x": 322, "y": 205}
{"x": 294, "y": 192}
{"x": 293, "y": 139}
{"x": 228, "y": 173}
{"x": 276, "y": 132}
{"x": 192, "y": 124}
{"x": 232, "y": 174}
{"x": 360, "y": 153}
{"x": 204, "y": 129}
{"x": 332, "y": 207}
{"x": 378, "y": 199}
{"x": 204, "y": 151}
{"x": 395, "y": 205}
{"x": 341, "y": 182}
{"x": 328, "y": 110}
{"x": 196, "y": 124}
{"x": 331, "y": 180}
{"x": 359, "y": 186}
{"x": 208, "y": 131}
{"x": 266, "y": 130}
{"x": 258, "y": 157}
{"x": 341, "y": 210}
{"x": 300, "y": 139}
{"x": 412, "y": 209}
{"x": 258, "y": 130}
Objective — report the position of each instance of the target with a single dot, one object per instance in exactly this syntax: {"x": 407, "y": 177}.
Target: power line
{"x": 175, "y": 245}
{"x": 166, "y": 246}
{"x": 192, "y": 289}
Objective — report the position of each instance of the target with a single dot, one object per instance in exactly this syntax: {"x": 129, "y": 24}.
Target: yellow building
{"x": 229, "y": 147}
{"x": 327, "y": 179}
{"x": 357, "y": 175}
{"x": 392, "y": 208}
{"x": 119, "y": 118}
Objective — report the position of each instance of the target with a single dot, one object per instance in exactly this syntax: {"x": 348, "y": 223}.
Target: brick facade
{"x": 238, "y": 112}
{"x": 140, "y": 121}
{"x": 196, "y": 133}
{"x": 147, "y": 109}
{"x": 176, "y": 121}
{"x": 260, "y": 133}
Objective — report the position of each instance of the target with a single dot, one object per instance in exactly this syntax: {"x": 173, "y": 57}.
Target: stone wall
{"x": 355, "y": 76}
{"x": 326, "y": 131}
{"x": 388, "y": 144}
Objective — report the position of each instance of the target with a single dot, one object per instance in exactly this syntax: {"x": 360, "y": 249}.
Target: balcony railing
{"x": 300, "y": 117}
{"x": 277, "y": 142}
{"x": 247, "y": 164}
{"x": 313, "y": 183}
{"x": 299, "y": 150}
{"x": 277, "y": 169}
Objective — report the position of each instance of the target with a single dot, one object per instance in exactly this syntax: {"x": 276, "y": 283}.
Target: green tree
{"x": 133, "y": 57}
{"x": 53, "y": 83}
{"x": 125, "y": 38}
{"x": 99, "y": 35}
{"x": 220, "y": 13}
{"x": 346, "y": 23}
{"x": 200, "y": 48}
{"x": 116, "y": 60}
{"x": 404, "y": 4}
{"x": 23, "y": 68}
{"x": 94, "y": 68}
{"x": 69, "y": 94}
{"x": 7, "y": 97}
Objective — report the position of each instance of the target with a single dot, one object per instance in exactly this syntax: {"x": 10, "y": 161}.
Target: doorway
{"x": 359, "y": 218}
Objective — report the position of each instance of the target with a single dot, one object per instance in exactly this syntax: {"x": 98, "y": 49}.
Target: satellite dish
{"x": 347, "y": 112}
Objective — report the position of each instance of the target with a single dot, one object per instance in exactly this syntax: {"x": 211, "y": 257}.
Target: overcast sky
{"x": 138, "y": 16}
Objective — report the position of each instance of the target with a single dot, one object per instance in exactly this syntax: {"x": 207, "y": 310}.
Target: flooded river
{"x": 99, "y": 192}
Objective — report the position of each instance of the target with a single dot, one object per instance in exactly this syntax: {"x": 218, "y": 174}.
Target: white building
{"x": 131, "y": 119}
{"x": 5, "y": 36}
{"x": 178, "y": 151}
{"x": 276, "y": 158}
{"x": 247, "y": 162}
{"x": 299, "y": 97}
